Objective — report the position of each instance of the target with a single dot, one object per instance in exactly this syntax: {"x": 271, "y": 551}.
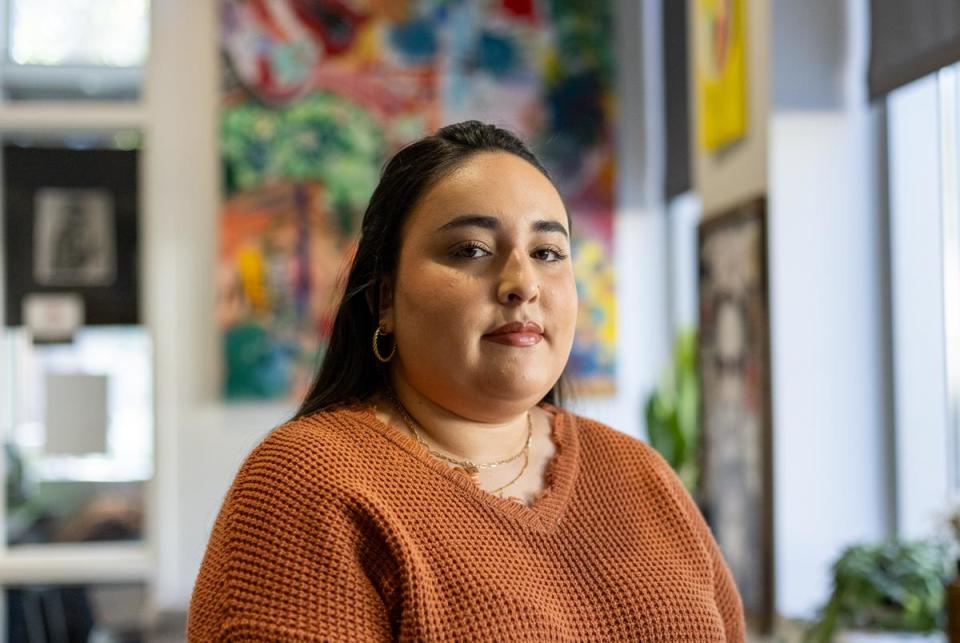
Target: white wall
{"x": 828, "y": 471}
{"x": 201, "y": 441}
{"x": 826, "y": 306}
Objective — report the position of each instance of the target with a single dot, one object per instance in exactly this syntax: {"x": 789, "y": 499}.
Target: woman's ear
{"x": 385, "y": 295}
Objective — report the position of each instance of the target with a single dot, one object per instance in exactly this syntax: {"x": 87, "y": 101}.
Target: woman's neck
{"x": 452, "y": 434}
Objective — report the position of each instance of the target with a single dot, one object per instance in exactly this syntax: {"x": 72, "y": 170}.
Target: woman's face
{"x": 485, "y": 246}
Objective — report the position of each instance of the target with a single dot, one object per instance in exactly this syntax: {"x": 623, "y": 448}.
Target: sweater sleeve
{"x": 726, "y": 595}
{"x": 725, "y": 590}
{"x": 286, "y": 561}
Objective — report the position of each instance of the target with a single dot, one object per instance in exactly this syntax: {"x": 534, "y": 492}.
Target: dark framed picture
{"x": 736, "y": 478}
{"x": 71, "y": 227}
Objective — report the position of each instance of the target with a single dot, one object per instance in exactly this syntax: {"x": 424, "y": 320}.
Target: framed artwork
{"x": 317, "y": 96}
{"x": 74, "y": 237}
{"x": 721, "y": 71}
{"x": 736, "y": 483}
{"x": 71, "y": 228}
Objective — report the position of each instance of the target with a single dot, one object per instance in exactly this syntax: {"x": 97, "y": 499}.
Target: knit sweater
{"x": 339, "y": 527}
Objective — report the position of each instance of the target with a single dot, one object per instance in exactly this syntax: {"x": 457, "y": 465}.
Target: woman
{"x": 431, "y": 486}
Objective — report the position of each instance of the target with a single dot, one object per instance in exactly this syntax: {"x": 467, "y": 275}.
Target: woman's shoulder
{"x": 632, "y": 464}
{"x": 327, "y": 429}
{"x": 602, "y": 434}
{"x": 604, "y": 444}
{"x": 310, "y": 450}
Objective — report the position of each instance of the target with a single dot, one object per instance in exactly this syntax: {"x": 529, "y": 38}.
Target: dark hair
{"x": 349, "y": 371}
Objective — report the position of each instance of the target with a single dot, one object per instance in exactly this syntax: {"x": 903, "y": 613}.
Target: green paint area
{"x": 322, "y": 137}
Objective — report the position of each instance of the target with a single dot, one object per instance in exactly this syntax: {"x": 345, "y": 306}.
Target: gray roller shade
{"x": 910, "y": 39}
{"x": 677, "y": 179}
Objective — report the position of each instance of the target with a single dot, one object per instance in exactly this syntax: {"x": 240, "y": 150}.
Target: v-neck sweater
{"x": 340, "y": 527}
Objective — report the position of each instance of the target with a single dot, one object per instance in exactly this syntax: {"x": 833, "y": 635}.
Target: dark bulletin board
{"x": 70, "y": 225}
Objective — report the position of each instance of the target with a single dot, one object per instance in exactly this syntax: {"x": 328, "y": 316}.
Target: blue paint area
{"x": 415, "y": 40}
{"x": 575, "y": 108}
{"x": 577, "y": 120}
{"x": 562, "y": 156}
{"x": 257, "y": 366}
{"x": 458, "y": 54}
{"x": 495, "y": 54}
{"x": 292, "y": 63}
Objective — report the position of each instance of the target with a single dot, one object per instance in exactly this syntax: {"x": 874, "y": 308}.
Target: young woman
{"x": 432, "y": 487}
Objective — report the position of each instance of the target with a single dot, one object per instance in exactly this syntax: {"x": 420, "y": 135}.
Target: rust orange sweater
{"x": 339, "y": 527}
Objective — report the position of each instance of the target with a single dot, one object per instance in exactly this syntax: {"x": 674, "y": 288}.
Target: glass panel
{"x": 74, "y": 49}
{"x": 112, "y": 33}
{"x": 81, "y": 443}
{"x": 947, "y": 80}
{"x": 105, "y": 613}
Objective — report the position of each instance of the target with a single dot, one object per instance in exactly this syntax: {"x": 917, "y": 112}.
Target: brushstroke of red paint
{"x": 266, "y": 19}
{"x": 265, "y": 79}
{"x": 521, "y": 9}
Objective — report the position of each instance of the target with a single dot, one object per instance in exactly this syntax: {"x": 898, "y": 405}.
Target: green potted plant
{"x": 885, "y": 592}
{"x": 952, "y": 589}
{"x": 672, "y": 409}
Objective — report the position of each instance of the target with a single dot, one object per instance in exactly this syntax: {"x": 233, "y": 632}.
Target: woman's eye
{"x": 553, "y": 254}
{"x": 470, "y": 251}
{"x": 476, "y": 251}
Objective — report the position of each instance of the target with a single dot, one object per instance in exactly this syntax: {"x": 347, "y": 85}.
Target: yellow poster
{"x": 721, "y": 71}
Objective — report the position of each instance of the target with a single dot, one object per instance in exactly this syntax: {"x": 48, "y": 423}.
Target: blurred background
{"x": 766, "y": 217}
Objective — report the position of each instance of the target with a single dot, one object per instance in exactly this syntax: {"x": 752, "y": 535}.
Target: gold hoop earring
{"x": 376, "y": 348}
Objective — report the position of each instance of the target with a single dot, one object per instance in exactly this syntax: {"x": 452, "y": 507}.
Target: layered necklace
{"x": 470, "y": 467}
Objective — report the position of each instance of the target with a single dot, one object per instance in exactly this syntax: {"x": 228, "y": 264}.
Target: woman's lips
{"x": 521, "y": 339}
{"x": 517, "y": 333}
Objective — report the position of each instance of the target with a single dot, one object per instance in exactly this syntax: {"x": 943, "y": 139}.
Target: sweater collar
{"x": 545, "y": 514}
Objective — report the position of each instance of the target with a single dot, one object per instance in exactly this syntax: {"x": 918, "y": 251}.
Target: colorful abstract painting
{"x": 318, "y": 94}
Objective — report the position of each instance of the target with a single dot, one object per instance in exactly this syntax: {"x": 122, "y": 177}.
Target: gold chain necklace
{"x": 470, "y": 467}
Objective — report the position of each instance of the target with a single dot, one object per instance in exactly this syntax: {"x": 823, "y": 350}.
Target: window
{"x": 925, "y": 265}
{"x": 73, "y": 49}
{"x": 949, "y": 114}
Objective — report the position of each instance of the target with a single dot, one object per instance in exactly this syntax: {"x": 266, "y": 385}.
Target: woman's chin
{"x": 522, "y": 392}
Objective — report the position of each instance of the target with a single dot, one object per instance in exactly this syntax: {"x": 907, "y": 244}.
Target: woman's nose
{"x": 519, "y": 282}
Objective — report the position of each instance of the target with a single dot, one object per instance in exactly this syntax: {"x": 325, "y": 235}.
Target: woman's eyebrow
{"x": 493, "y": 223}
{"x": 549, "y": 226}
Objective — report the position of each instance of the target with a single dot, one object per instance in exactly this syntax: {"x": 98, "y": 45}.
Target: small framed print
{"x": 71, "y": 228}
{"x": 74, "y": 237}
